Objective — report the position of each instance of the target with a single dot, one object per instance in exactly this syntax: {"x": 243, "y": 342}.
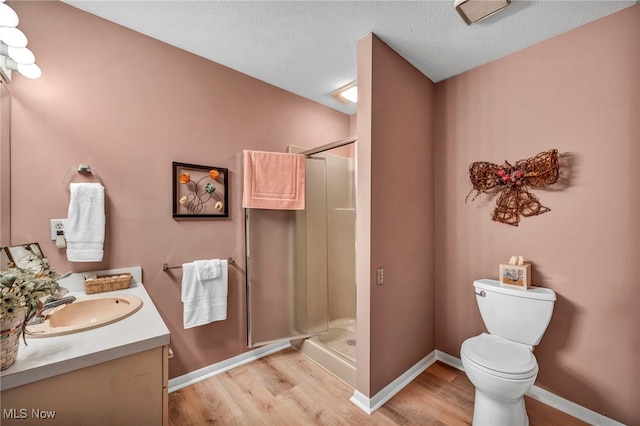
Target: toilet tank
{"x": 518, "y": 315}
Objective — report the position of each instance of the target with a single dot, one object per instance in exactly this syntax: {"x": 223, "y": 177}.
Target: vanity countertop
{"x": 50, "y": 356}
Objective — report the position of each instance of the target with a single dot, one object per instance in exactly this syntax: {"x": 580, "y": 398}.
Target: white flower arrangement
{"x": 22, "y": 289}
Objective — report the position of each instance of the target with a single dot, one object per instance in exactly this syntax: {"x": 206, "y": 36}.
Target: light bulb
{"x": 8, "y": 17}
{"x": 30, "y": 71}
{"x": 21, "y": 55}
{"x": 13, "y": 37}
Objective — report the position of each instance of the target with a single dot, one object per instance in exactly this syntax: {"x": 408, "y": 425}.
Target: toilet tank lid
{"x": 532, "y": 293}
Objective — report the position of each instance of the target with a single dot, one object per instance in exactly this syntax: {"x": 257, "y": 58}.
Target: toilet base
{"x": 488, "y": 411}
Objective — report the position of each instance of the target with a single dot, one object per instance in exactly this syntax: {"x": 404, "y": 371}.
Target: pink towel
{"x": 273, "y": 180}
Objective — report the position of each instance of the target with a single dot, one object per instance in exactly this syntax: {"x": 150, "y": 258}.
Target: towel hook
{"x": 82, "y": 169}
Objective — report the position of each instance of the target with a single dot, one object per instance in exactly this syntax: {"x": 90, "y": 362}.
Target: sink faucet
{"x": 50, "y": 304}
{"x": 57, "y": 294}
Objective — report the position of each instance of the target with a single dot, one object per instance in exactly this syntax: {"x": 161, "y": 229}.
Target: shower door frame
{"x": 299, "y": 326}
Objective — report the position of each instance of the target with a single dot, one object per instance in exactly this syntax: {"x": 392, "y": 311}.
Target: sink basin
{"x": 85, "y": 314}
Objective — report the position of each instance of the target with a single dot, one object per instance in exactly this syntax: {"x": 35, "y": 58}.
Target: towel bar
{"x": 166, "y": 267}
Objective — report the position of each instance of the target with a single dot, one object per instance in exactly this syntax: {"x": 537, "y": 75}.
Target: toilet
{"x": 501, "y": 364}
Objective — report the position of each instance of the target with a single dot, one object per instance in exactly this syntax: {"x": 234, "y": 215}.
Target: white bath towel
{"x": 86, "y": 220}
{"x": 204, "y": 301}
{"x": 207, "y": 269}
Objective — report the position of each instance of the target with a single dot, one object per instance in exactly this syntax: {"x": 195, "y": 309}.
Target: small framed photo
{"x": 26, "y": 256}
{"x": 518, "y": 276}
{"x": 200, "y": 191}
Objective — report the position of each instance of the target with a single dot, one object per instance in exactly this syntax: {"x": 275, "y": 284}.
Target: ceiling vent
{"x": 473, "y": 11}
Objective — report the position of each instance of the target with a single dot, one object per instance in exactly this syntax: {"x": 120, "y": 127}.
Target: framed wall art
{"x": 200, "y": 191}
{"x": 26, "y": 256}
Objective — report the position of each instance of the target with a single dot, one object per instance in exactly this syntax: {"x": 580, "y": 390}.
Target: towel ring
{"x": 82, "y": 168}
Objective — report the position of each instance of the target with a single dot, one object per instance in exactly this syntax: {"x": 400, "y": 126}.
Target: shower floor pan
{"x": 334, "y": 350}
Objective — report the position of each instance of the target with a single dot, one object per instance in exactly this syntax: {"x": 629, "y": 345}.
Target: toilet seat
{"x": 500, "y": 357}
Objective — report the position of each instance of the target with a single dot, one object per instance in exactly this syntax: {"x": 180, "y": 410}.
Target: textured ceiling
{"x": 309, "y": 47}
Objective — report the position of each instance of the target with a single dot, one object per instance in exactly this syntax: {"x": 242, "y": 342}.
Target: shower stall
{"x": 301, "y": 265}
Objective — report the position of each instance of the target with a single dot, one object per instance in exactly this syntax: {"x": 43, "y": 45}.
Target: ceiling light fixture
{"x": 347, "y": 93}
{"x": 473, "y": 11}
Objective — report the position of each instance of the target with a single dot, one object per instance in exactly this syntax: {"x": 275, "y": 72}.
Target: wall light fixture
{"x": 14, "y": 55}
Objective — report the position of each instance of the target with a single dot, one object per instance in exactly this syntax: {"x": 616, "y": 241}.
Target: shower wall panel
{"x": 341, "y": 236}
{"x": 287, "y": 294}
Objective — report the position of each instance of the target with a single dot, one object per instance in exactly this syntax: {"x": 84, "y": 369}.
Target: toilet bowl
{"x": 501, "y": 371}
{"x": 500, "y": 364}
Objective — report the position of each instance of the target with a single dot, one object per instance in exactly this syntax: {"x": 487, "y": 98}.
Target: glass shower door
{"x": 287, "y": 276}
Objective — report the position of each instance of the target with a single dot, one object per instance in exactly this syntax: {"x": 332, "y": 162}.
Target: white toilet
{"x": 501, "y": 364}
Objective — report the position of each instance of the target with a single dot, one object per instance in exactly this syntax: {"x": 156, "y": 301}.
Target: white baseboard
{"x": 369, "y": 405}
{"x": 547, "y": 398}
{"x": 571, "y": 408}
{"x": 449, "y": 359}
{"x": 220, "y": 367}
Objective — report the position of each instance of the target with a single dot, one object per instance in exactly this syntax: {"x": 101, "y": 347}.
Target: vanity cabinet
{"x": 130, "y": 390}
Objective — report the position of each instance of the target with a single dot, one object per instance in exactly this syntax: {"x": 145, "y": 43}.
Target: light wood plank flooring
{"x": 287, "y": 388}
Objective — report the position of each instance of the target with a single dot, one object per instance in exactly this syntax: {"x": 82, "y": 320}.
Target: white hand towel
{"x": 207, "y": 269}
{"x": 204, "y": 301}
{"x": 85, "y": 223}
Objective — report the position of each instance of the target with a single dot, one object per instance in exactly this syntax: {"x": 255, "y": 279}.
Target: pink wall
{"x": 362, "y": 121}
{"x": 129, "y": 105}
{"x": 400, "y": 128}
{"x": 580, "y": 93}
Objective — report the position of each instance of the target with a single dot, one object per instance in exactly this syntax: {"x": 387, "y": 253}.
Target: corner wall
{"x": 395, "y": 145}
{"x": 5, "y": 166}
{"x": 578, "y": 92}
{"x": 129, "y": 105}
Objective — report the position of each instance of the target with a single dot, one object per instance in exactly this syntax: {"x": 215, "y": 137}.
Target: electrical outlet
{"x": 57, "y": 225}
{"x": 380, "y": 276}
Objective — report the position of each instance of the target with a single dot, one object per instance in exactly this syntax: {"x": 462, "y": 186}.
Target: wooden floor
{"x": 287, "y": 388}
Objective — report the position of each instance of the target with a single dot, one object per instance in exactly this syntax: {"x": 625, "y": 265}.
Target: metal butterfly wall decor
{"x": 514, "y": 182}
